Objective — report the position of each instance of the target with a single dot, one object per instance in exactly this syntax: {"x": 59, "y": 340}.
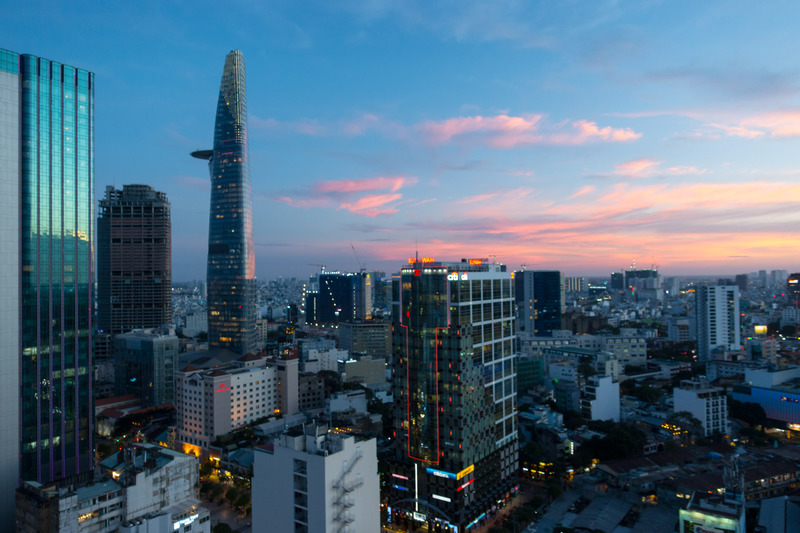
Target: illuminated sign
{"x": 443, "y": 498}
{"x": 398, "y": 476}
{"x": 184, "y": 522}
{"x": 475, "y": 261}
{"x": 412, "y": 260}
{"x": 398, "y": 487}
{"x": 761, "y": 330}
{"x": 467, "y": 470}
{"x": 465, "y": 485}
{"x": 222, "y": 387}
{"x": 455, "y": 276}
{"x": 441, "y": 473}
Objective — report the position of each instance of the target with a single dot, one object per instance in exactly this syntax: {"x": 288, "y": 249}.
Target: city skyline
{"x": 577, "y": 137}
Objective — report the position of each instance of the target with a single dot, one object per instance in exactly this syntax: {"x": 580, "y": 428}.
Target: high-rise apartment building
{"x": 46, "y": 272}
{"x": 717, "y": 308}
{"x": 231, "y": 257}
{"x": 134, "y": 260}
{"x": 454, "y": 387}
{"x": 540, "y": 301}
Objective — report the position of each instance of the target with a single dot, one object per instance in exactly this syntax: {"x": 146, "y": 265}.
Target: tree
{"x": 215, "y": 491}
{"x": 243, "y": 501}
{"x": 222, "y": 527}
{"x": 206, "y": 468}
{"x": 232, "y": 495}
{"x": 749, "y": 412}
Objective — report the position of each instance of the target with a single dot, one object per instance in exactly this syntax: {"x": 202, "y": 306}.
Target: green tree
{"x": 243, "y": 500}
{"x": 232, "y": 495}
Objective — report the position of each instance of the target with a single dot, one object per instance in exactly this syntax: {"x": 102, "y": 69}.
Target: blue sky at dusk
{"x": 580, "y": 136}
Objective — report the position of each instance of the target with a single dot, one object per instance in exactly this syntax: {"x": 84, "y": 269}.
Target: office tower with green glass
{"x": 454, "y": 387}
{"x": 231, "y": 259}
{"x": 46, "y": 272}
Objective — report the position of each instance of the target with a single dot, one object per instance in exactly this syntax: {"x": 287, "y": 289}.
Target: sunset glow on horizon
{"x": 578, "y": 136}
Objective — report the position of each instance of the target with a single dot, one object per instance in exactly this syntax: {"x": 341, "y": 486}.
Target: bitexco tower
{"x": 231, "y": 262}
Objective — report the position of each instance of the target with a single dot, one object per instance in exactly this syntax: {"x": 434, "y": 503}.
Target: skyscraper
{"x": 134, "y": 260}
{"x": 231, "y": 259}
{"x": 540, "y": 300}
{"x": 46, "y": 272}
{"x": 454, "y": 388}
{"x": 717, "y": 308}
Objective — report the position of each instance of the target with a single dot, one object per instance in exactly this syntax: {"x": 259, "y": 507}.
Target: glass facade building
{"x": 231, "y": 261}
{"x": 46, "y": 244}
{"x": 541, "y": 301}
{"x": 454, "y": 387}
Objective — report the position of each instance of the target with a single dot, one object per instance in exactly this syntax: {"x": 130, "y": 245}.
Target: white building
{"x": 717, "y": 308}
{"x": 148, "y": 489}
{"x": 707, "y": 404}
{"x": 600, "y": 399}
{"x": 316, "y": 481}
{"x": 215, "y": 402}
{"x": 318, "y": 360}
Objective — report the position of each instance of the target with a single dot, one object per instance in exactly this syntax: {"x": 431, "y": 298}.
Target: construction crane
{"x": 321, "y": 267}
{"x": 362, "y": 267}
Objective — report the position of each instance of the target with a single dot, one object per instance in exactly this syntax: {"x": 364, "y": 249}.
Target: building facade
{"x": 540, "y": 298}
{"x": 368, "y": 337}
{"x": 454, "y": 388}
{"x": 47, "y": 265}
{"x": 134, "y": 260}
{"x": 341, "y": 297}
{"x": 231, "y": 257}
{"x": 707, "y": 404}
{"x": 718, "y": 319}
{"x": 314, "y": 480}
{"x": 210, "y": 403}
{"x": 145, "y": 365}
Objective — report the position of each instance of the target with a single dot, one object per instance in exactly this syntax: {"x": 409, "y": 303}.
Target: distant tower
{"x": 231, "y": 259}
{"x": 134, "y": 260}
{"x": 718, "y": 321}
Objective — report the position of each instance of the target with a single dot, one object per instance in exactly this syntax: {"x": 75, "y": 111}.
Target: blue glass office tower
{"x": 46, "y": 272}
{"x": 540, "y": 301}
{"x": 231, "y": 261}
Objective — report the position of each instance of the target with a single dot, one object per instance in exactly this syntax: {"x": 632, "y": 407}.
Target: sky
{"x": 582, "y": 136}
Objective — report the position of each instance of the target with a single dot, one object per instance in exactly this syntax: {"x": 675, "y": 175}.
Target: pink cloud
{"x": 646, "y": 166}
{"x": 637, "y": 168}
{"x": 583, "y": 191}
{"x": 505, "y": 131}
{"x": 372, "y": 205}
{"x": 369, "y": 184}
{"x": 349, "y": 194}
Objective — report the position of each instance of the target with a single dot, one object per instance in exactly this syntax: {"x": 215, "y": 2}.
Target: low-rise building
{"x": 314, "y": 480}
{"x": 600, "y": 399}
{"x": 146, "y": 488}
{"x": 707, "y": 404}
{"x": 214, "y": 402}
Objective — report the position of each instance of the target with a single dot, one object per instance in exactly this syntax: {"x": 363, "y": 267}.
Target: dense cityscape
{"x": 449, "y": 392}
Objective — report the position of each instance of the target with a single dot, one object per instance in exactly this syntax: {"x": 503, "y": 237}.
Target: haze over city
{"x": 579, "y": 136}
